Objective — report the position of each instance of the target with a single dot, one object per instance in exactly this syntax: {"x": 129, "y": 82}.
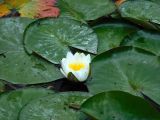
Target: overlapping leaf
{"x": 143, "y": 12}
{"x": 55, "y": 107}
{"x": 126, "y": 69}
{"x": 111, "y": 35}
{"x": 20, "y": 68}
{"x": 12, "y": 103}
{"x": 86, "y": 9}
{"x": 11, "y": 36}
{"x": 116, "y": 105}
{"x": 51, "y": 38}
{"x": 147, "y": 40}
{"x": 16, "y": 65}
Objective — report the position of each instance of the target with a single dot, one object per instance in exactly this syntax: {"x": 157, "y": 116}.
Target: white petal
{"x": 77, "y": 56}
{"x": 88, "y": 58}
{"x": 64, "y": 65}
{"x": 69, "y": 55}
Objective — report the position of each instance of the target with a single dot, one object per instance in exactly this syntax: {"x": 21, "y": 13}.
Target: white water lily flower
{"x": 77, "y": 64}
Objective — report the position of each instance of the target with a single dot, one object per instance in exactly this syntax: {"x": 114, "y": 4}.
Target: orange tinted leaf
{"x": 16, "y": 3}
{"x": 119, "y": 2}
{"x": 46, "y": 9}
{"x": 29, "y": 9}
{"x": 48, "y": 12}
{"x": 4, "y": 10}
{"x": 39, "y": 9}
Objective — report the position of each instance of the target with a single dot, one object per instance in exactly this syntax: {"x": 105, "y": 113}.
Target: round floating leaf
{"x": 86, "y": 9}
{"x": 55, "y": 107}
{"x": 12, "y": 103}
{"x": 51, "y": 38}
{"x": 20, "y": 68}
{"x": 149, "y": 41}
{"x": 116, "y": 105}
{"x": 126, "y": 69}
{"x": 146, "y": 12}
{"x": 111, "y": 35}
{"x": 11, "y": 33}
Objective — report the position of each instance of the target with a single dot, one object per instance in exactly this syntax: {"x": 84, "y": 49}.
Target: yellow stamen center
{"x": 76, "y": 66}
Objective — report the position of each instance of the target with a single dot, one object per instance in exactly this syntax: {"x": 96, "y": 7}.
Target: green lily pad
{"x": 11, "y": 33}
{"x": 19, "y": 68}
{"x": 11, "y": 103}
{"x": 51, "y": 38}
{"x": 116, "y": 105}
{"x": 2, "y": 87}
{"x": 131, "y": 70}
{"x": 155, "y": 1}
{"x": 60, "y": 106}
{"x": 146, "y": 12}
{"x": 146, "y": 40}
{"x": 111, "y": 35}
{"x": 86, "y": 9}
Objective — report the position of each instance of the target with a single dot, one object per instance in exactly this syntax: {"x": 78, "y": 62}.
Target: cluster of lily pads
{"x": 123, "y": 40}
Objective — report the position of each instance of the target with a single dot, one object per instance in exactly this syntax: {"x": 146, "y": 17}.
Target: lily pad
{"x": 131, "y": 70}
{"x": 11, "y": 33}
{"x": 55, "y": 107}
{"x": 111, "y": 35}
{"x": 146, "y": 12}
{"x": 51, "y": 38}
{"x": 2, "y": 87}
{"x": 20, "y": 68}
{"x": 86, "y": 9}
{"x": 116, "y": 105}
{"x": 146, "y": 40}
{"x": 12, "y": 102}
